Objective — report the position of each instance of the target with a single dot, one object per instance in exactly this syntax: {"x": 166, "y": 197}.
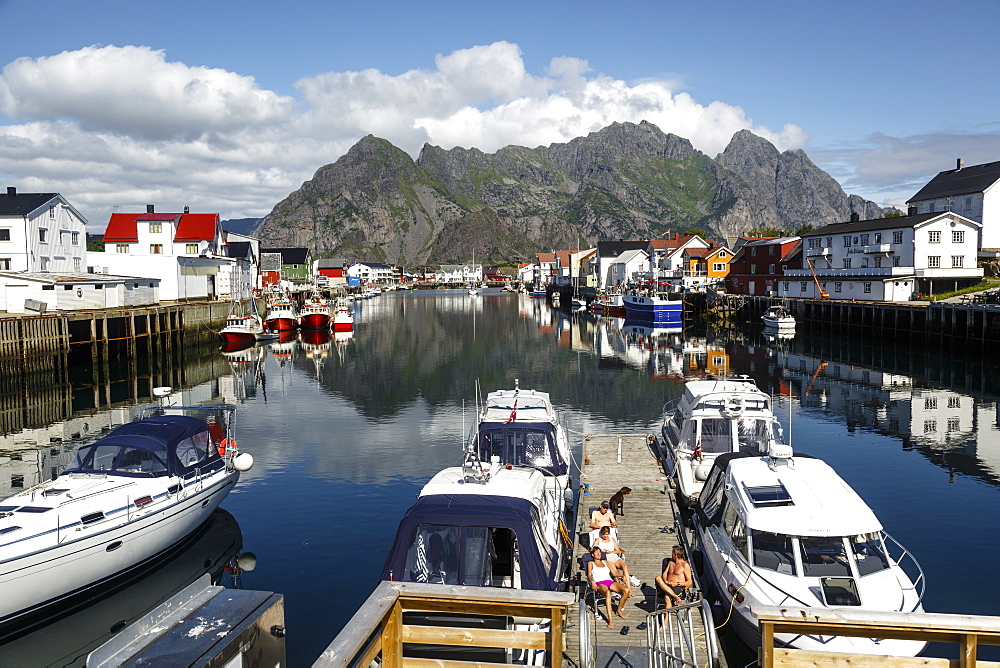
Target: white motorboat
{"x": 711, "y": 418}
{"x": 343, "y": 318}
{"x": 124, "y": 500}
{"x": 784, "y": 530}
{"x": 779, "y": 318}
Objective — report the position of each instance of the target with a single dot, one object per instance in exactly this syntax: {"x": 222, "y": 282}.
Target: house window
{"x": 954, "y": 402}
{"x": 802, "y": 286}
{"x": 74, "y": 238}
{"x": 864, "y": 262}
{"x": 957, "y": 237}
{"x": 895, "y": 260}
{"x": 930, "y": 403}
{"x": 786, "y": 286}
{"x": 878, "y": 262}
{"x": 968, "y": 203}
{"x": 121, "y": 248}
{"x": 814, "y": 243}
{"x": 48, "y": 287}
{"x": 897, "y": 237}
{"x": 77, "y": 264}
{"x": 753, "y": 269}
{"x": 956, "y": 261}
{"x": 155, "y": 249}
{"x": 43, "y": 263}
{"x": 770, "y": 269}
{"x": 954, "y": 424}
{"x": 868, "y": 288}
{"x": 770, "y": 250}
{"x": 829, "y": 242}
{"x": 295, "y": 266}
{"x": 864, "y": 239}
{"x": 718, "y": 266}
{"x": 837, "y": 286}
{"x": 4, "y": 264}
{"x": 52, "y": 212}
{"x": 933, "y": 261}
{"x": 723, "y": 254}
{"x": 878, "y": 237}
{"x": 933, "y": 237}
{"x": 847, "y": 241}
{"x": 930, "y": 426}
{"x": 847, "y": 263}
{"x": 753, "y": 251}
{"x": 155, "y": 227}
{"x": 42, "y": 234}
{"x": 4, "y": 234}
{"x": 191, "y": 249}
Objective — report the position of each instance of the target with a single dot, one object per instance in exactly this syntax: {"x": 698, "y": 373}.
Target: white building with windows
{"x": 972, "y": 192}
{"x": 371, "y": 272}
{"x": 41, "y": 232}
{"x": 459, "y": 273}
{"x": 887, "y": 259}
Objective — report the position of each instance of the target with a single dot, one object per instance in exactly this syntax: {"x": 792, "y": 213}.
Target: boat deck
{"x": 645, "y": 531}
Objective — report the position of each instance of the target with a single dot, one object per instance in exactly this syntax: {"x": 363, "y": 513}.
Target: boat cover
{"x": 521, "y": 444}
{"x": 177, "y": 444}
{"x": 537, "y": 560}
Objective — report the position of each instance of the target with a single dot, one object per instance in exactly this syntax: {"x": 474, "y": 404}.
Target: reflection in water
{"x": 65, "y": 639}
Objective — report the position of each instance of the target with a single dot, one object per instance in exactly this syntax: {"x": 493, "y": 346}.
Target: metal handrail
{"x": 920, "y": 584}
{"x": 671, "y": 640}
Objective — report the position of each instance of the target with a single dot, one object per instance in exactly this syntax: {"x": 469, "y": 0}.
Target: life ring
{"x": 227, "y": 444}
{"x": 733, "y": 406}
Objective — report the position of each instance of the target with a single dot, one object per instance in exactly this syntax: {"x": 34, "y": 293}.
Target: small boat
{"x": 711, "y": 418}
{"x": 281, "y": 315}
{"x": 473, "y": 290}
{"x": 124, "y": 500}
{"x": 343, "y": 318}
{"x": 241, "y": 327}
{"x": 786, "y": 530}
{"x": 315, "y": 313}
{"x": 779, "y": 318}
{"x": 658, "y": 307}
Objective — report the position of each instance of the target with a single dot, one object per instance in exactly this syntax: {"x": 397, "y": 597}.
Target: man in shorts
{"x": 675, "y": 579}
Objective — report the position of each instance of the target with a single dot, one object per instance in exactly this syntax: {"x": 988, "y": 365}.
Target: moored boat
{"x": 779, "y": 318}
{"x": 711, "y": 418}
{"x": 315, "y": 313}
{"x": 281, "y": 315}
{"x": 122, "y": 501}
{"x": 241, "y": 327}
{"x": 343, "y": 318}
{"x": 786, "y": 530}
{"x": 653, "y": 306}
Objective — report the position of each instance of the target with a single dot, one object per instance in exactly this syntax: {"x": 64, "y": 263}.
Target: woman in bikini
{"x": 613, "y": 552}
{"x": 601, "y": 575}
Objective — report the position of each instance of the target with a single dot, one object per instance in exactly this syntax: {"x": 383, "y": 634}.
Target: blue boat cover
{"x": 538, "y": 561}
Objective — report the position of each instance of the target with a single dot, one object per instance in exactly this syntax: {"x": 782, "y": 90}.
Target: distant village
{"x": 950, "y": 232}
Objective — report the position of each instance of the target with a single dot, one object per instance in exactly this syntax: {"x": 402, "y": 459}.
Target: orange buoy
{"x": 227, "y": 444}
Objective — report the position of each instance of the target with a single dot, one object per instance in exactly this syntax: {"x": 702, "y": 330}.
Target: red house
{"x": 760, "y": 264}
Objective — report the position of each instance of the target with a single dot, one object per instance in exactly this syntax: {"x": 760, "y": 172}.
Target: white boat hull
{"x": 86, "y": 556}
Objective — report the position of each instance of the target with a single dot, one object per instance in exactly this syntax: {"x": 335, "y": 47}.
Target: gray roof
{"x": 289, "y": 255}
{"x": 270, "y": 261}
{"x": 957, "y": 182}
{"x": 874, "y": 224}
{"x": 616, "y": 248}
{"x": 74, "y": 277}
{"x": 239, "y": 249}
{"x": 330, "y": 263}
{"x": 21, "y": 204}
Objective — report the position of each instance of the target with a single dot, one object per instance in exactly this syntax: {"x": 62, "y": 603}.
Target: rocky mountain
{"x": 626, "y": 181}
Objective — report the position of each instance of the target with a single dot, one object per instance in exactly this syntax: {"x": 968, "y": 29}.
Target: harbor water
{"x": 345, "y": 430}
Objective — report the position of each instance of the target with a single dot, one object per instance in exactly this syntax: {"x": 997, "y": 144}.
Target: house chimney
{"x": 187, "y": 209}
{"x": 149, "y": 208}
{"x": 959, "y": 164}
{"x": 855, "y": 217}
{"x": 11, "y": 191}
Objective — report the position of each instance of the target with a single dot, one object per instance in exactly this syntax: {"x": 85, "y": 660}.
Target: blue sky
{"x": 229, "y": 106}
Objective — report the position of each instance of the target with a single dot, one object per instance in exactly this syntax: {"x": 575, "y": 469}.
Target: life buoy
{"x": 733, "y": 406}
{"x": 227, "y": 444}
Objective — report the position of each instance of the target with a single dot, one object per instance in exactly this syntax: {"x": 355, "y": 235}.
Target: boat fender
{"x": 702, "y": 470}
{"x": 243, "y": 461}
{"x": 247, "y": 561}
{"x": 227, "y": 444}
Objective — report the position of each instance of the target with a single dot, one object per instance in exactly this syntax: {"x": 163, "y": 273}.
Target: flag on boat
{"x": 513, "y": 414}
{"x": 697, "y": 451}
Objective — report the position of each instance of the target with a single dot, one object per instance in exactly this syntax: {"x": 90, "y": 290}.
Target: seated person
{"x": 602, "y": 517}
{"x": 601, "y": 576}
{"x": 675, "y": 579}
{"x": 612, "y": 551}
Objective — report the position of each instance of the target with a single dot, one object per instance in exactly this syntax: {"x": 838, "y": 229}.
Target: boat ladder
{"x": 673, "y": 638}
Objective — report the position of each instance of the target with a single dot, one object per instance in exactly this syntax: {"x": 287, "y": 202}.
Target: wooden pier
{"x": 645, "y": 531}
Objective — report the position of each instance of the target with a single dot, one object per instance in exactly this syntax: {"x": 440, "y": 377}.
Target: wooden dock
{"x": 645, "y": 531}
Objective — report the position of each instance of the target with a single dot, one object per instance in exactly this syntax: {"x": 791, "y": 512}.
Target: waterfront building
{"x": 569, "y": 269}
{"x": 253, "y": 255}
{"x": 295, "y": 264}
{"x": 629, "y": 267}
{"x": 759, "y": 265}
{"x": 29, "y": 292}
{"x": 330, "y": 270}
{"x": 971, "y": 192}
{"x": 887, "y": 259}
{"x": 607, "y": 253}
{"x": 365, "y": 273}
{"x": 459, "y": 273}
{"x": 41, "y": 232}
{"x": 243, "y": 274}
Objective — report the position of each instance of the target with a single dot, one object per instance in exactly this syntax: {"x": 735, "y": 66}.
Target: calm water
{"x": 345, "y": 432}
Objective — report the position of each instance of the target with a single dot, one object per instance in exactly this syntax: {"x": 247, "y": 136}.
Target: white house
{"x": 607, "y": 253}
{"x": 184, "y": 250}
{"x": 28, "y": 292}
{"x": 41, "y": 232}
{"x": 971, "y": 192}
{"x": 887, "y": 259}
{"x": 629, "y": 267}
{"x": 459, "y": 273}
{"x": 371, "y": 272}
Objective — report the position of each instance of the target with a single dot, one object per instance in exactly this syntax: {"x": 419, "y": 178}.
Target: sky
{"x": 230, "y": 106}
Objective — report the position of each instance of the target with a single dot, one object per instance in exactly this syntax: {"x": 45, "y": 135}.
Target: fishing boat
{"x": 315, "y": 313}
{"x": 281, "y": 315}
{"x": 124, "y": 500}
{"x": 711, "y": 418}
{"x": 785, "y": 530}
{"x": 241, "y": 327}
{"x": 778, "y": 318}
{"x": 658, "y": 307}
{"x": 343, "y": 318}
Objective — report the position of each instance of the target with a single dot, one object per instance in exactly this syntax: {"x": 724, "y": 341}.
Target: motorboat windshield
{"x": 521, "y": 444}
{"x": 715, "y": 435}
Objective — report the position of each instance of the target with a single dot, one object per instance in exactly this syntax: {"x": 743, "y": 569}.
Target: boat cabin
{"x": 520, "y": 427}
{"x": 723, "y": 416}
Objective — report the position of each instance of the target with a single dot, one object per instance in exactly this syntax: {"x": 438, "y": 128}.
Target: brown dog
{"x": 617, "y": 500}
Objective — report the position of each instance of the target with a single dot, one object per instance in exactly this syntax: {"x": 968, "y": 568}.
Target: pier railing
{"x": 673, "y": 640}
{"x": 966, "y": 631}
{"x": 378, "y": 630}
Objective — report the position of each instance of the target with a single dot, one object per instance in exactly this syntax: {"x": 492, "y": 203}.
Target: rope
{"x": 732, "y": 601}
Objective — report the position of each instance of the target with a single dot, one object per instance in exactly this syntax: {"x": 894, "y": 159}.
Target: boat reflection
{"x": 66, "y": 638}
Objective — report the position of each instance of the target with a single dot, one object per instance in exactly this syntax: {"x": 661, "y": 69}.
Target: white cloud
{"x": 124, "y": 126}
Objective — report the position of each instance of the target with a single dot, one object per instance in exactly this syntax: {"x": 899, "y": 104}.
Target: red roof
{"x": 545, "y": 257}
{"x": 122, "y": 227}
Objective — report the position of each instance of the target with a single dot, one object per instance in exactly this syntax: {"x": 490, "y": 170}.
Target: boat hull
{"x": 46, "y": 578}
{"x": 343, "y": 325}
{"x": 282, "y": 324}
{"x": 232, "y": 336}
{"x": 314, "y": 321}
{"x": 655, "y": 309}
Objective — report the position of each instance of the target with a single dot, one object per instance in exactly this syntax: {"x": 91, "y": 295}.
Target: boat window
{"x": 33, "y": 509}
{"x": 6, "y": 530}
{"x": 521, "y": 447}
{"x": 712, "y": 492}
{"x": 716, "y": 435}
{"x": 433, "y": 555}
{"x": 117, "y": 458}
{"x": 188, "y": 453}
{"x": 7, "y": 509}
{"x": 135, "y": 460}
{"x": 763, "y": 496}
{"x": 773, "y": 551}
{"x": 92, "y": 517}
{"x": 736, "y": 529}
{"x": 869, "y": 553}
{"x": 689, "y": 435}
{"x": 755, "y": 435}
{"x": 824, "y": 556}
{"x": 477, "y": 557}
